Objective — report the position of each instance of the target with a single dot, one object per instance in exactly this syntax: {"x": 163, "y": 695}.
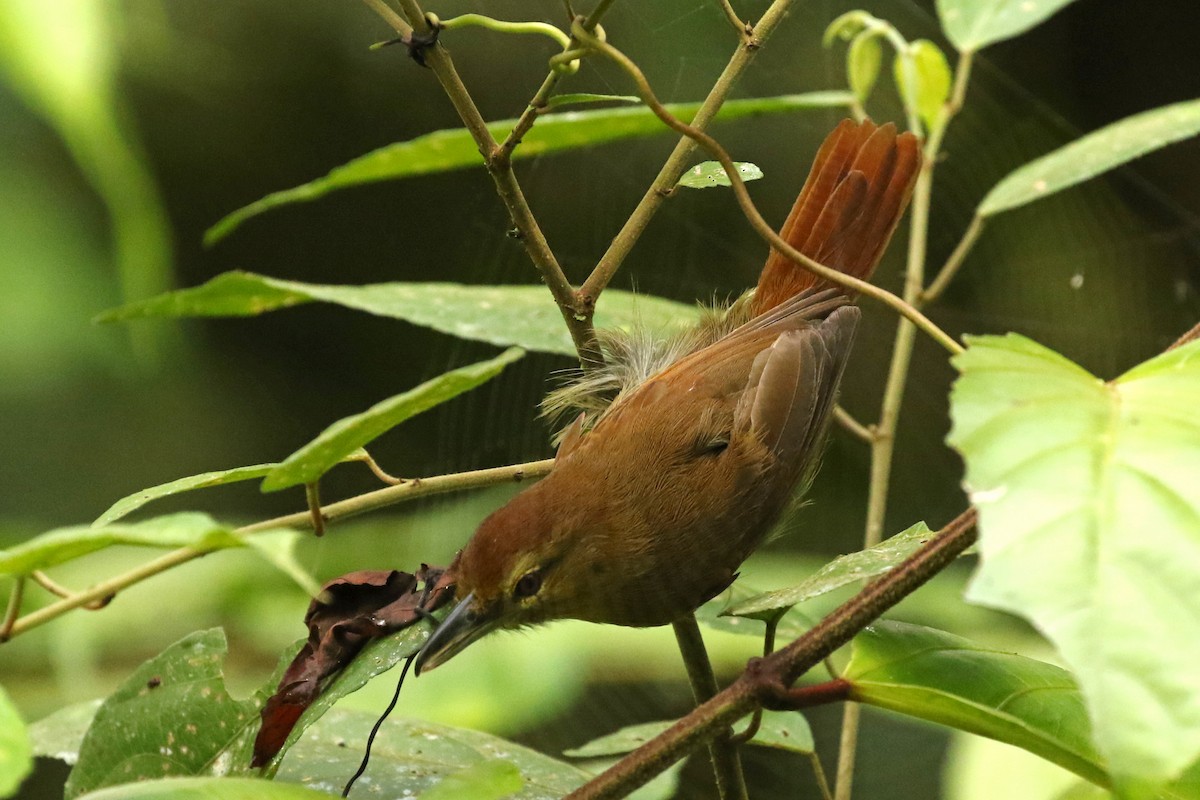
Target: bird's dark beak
{"x": 461, "y": 627}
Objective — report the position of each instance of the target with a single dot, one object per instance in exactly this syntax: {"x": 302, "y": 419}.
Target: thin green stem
{"x": 390, "y": 495}
{"x": 950, "y": 268}
{"x": 13, "y": 609}
{"x": 760, "y": 225}
{"x": 742, "y": 28}
{"x": 883, "y": 443}
{"x": 678, "y": 161}
{"x": 504, "y": 26}
{"x": 962, "y": 78}
{"x": 819, "y": 774}
{"x": 843, "y": 778}
{"x": 58, "y": 590}
{"x": 727, "y": 767}
{"x": 390, "y": 17}
{"x": 856, "y": 428}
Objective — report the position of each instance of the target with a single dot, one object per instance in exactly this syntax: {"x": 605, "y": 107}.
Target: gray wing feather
{"x": 793, "y": 384}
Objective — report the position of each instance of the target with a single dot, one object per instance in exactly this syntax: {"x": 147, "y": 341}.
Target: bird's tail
{"x": 856, "y": 192}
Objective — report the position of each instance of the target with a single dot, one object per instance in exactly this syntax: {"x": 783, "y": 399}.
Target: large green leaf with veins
{"x": 1089, "y": 500}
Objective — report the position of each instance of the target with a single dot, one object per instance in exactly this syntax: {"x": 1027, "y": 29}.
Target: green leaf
{"x": 1090, "y": 528}
{"x": 206, "y": 789}
{"x": 16, "y": 751}
{"x": 863, "y": 59}
{"x": 59, "y": 735}
{"x": 521, "y": 316}
{"x": 578, "y": 98}
{"x": 946, "y": 679}
{"x": 710, "y": 173}
{"x": 485, "y": 780}
{"x": 186, "y": 529}
{"x": 932, "y": 78}
{"x": 127, "y": 505}
{"x": 621, "y": 741}
{"x": 346, "y": 435}
{"x": 842, "y": 571}
{"x": 414, "y": 757}
{"x": 721, "y": 614}
{"x": 379, "y": 656}
{"x": 780, "y": 730}
{"x": 1096, "y": 153}
{"x": 784, "y": 730}
{"x": 453, "y": 149}
{"x": 63, "y": 59}
{"x": 847, "y": 26}
{"x": 973, "y": 24}
{"x": 172, "y": 717}
{"x": 278, "y": 548}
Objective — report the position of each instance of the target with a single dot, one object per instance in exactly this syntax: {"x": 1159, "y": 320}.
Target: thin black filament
{"x": 378, "y": 724}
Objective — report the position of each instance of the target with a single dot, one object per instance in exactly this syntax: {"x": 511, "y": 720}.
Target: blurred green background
{"x": 127, "y": 128}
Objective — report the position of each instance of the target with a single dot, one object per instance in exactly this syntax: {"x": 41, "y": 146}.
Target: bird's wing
{"x": 792, "y": 386}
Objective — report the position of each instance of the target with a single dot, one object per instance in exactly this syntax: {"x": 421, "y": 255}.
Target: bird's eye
{"x": 528, "y": 585}
{"x": 712, "y": 447}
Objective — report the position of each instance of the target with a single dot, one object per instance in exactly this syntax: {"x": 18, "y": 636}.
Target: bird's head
{"x": 518, "y": 569}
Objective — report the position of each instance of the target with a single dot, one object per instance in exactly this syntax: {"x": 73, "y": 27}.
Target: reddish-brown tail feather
{"x": 856, "y": 192}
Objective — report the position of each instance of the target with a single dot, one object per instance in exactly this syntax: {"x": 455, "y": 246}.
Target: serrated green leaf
{"x": 16, "y": 751}
{"x": 348, "y": 434}
{"x": 932, "y": 77}
{"x": 172, "y": 717}
{"x": 413, "y": 757}
{"x": 1092, "y": 155}
{"x": 710, "y": 173}
{"x": 127, "y": 505}
{"x": 946, "y": 679}
{"x": 842, "y": 571}
{"x": 863, "y": 59}
{"x": 485, "y": 780}
{"x": 973, "y": 24}
{"x": 454, "y": 149}
{"x": 780, "y": 730}
{"x": 1089, "y": 501}
{"x": 520, "y": 316}
{"x": 63, "y": 544}
{"x": 577, "y": 98}
{"x": 206, "y": 789}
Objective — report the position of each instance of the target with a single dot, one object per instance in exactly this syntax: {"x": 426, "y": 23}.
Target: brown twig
{"x": 751, "y": 730}
{"x": 312, "y": 496}
{"x": 499, "y": 167}
{"x": 677, "y": 162}
{"x": 1190, "y": 336}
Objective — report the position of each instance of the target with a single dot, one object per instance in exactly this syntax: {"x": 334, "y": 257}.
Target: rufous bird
{"x": 649, "y": 512}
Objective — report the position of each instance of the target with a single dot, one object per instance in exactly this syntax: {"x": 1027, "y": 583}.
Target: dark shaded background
{"x": 235, "y": 100}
